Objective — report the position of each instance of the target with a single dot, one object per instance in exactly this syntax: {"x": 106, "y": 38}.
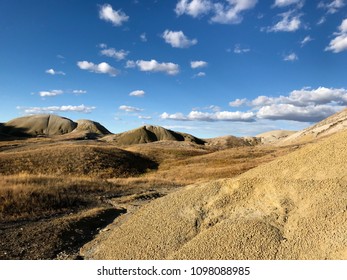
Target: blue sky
{"x": 206, "y": 67}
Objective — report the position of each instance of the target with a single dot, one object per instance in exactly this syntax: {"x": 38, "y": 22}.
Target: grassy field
{"x": 42, "y": 182}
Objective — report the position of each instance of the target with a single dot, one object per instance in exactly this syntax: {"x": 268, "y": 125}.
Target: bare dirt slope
{"x": 272, "y": 137}
{"x": 328, "y": 126}
{"x": 230, "y": 141}
{"x": 294, "y": 207}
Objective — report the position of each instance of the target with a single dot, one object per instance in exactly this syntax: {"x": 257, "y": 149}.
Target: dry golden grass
{"x": 33, "y": 197}
{"x": 42, "y": 178}
{"x": 192, "y": 166}
{"x": 73, "y": 160}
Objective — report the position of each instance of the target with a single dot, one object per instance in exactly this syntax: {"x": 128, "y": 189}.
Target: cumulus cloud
{"x": 53, "y": 109}
{"x": 53, "y": 72}
{"x": 56, "y": 92}
{"x": 224, "y": 12}
{"x": 290, "y": 57}
{"x": 193, "y": 8}
{"x": 138, "y": 93}
{"x": 198, "y": 64}
{"x": 129, "y": 108}
{"x": 154, "y": 66}
{"x": 210, "y": 117}
{"x": 111, "y": 52}
{"x": 176, "y": 116}
{"x": 200, "y": 74}
{"x": 130, "y": 64}
{"x": 177, "y": 39}
{"x": 303, "y": 97}
{"x": 238, "y": 102}
{"x": 102, "y": 68}
{"x": 339, "y": 43}
{"x": 295, "y": 113}
{"x": 332, "y": 7}
{"x": 284, "y": 3}
{"x": 231, "y": 13}
{"x": 117, "y": 18}
{"x": 51, "y": 93}
{"x": 305, "y": 105}
{"x": 290, "y": 22}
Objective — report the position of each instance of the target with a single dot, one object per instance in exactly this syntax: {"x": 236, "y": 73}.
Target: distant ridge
{"x": 49, "y": 125}
{"x": 150, "y": 133}
{"x": 38, "y": 125}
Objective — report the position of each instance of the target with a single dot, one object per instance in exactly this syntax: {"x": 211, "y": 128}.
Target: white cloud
{"x": 176, "y": 116}
{"x": 177, "y": 39}
{"x": 303, "y": 97}
{"x": 284, "y": 3}
{"x": 224, "y": 12}
{"x": 216, "y": 116}
{"x": 200, "y": 74}
{"x": 290, "y": 22}
{"x": 295, "y": 113}
{"x": 332, "y": 7}
{"x": 52, "y": 109}
{"x": 198, "y": 64}
{"x": 102, "y": 68}
{"x": 306, "y": 40}
{"x": 79, "y": 91}
{"x": 138, "y": 93}
{"x": 193, "y": 8}
{"x": 238, "y": 102}
{"x": 321, "y": 95}
{"x": 187, "y": 127}
{"x": 339, "y": 43}
{"x": 154, "y": 66}
{"x": 231, "y": 12}
{"x": 53, "y": 72}
{"x": 102, "y": 46}
{"x": 107, "y": 13}
{"x": 143, "y": 37}
{"x": 129, "y": 108}
{"x": 51, "y": 93}
{"x": 130, "y": 64}
{"x": 111, "y": 52}
{"x": 290, "y": 57}
{"x": 321, "y": 20}
{"x": 305, "y": 105}
{"x": 145, "y": 117}
{"x": 239, "y": 50}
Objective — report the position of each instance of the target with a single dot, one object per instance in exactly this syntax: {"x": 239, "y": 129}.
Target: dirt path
{"x": 53, "y": 238}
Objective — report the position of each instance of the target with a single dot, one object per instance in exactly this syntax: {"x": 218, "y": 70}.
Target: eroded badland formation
{"x": 71, "y": 189}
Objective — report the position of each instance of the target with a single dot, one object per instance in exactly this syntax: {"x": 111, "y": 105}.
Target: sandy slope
{"x": 274, "y": 136}
{"x": 326, "y": 127}
{"x": 292, "y": 208}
